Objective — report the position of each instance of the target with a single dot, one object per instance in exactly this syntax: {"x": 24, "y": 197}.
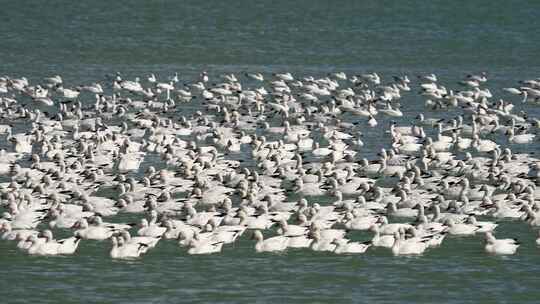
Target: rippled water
{"x": 85, "y": 40}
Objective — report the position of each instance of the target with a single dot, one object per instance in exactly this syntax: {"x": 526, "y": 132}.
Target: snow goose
{"x": 308, "y": 189}
{"x": 273, "y": 244}
{"x": 88, "y": 232}
{"x": 369, "y": 169}
{"x": 393, "y": 211}
{"x": 316, "y": 227}
{"x": 504, "y": 210}
{"x": 431, "y": 239}
{"x": 62, "y": 219}
{"x": 460, "y": 229}
{"x": 390, "y": 228}
{"x": 130, "y": 161}
{"x": 227, "y": 234}
{"x": 11, "y": 235}
{"x": 431, "y": 122}
{"x": 53, "y": 247}
{"x": 402, "y": 246}
{"x": 378, "y": 240}
{"x": 284, "y": 76}
{"x": 320, "y": 151}
{"x": 128, "y": 205}
{"x": 171, "y": 232}
{"x": 69, "y": 245}
{"x": 500, "y": 246}
{"x": 291, "y": 230}
{"x": 359, "y": 223}
{"x": 204, "y": 246}
{"x": 149, "y": 241}
{"x": 483, "y": 145}
{"x": 42, "y": 246}
{"x": 520, "y": 138}
{"x": 324, "y": 217}
{"x": 483, "y": 226}
{"x": 344, "y": 246}
{"x": 301, "y": 241}
{"x": 24, "y": 240}
{"x": 389, "y": 111}
{"x": 275, "y": 206}
{"x": 427, "y": 227}
{"x": 186, "y": 234}
{"x": 99, "y": 205}
{"x": 321, "y": 244}
{"x": 98, "y": 221}
{"x": 255, "y": 76}
{"x": 122, "y": 250}
{"x": 24, "y": 218}
{"x": 151, "y": 230}
{"x": 262, "y": 221}
{"x": 372, "y": 122}
{"x": 442, "y": 217}
{"x": 532, "y": 218}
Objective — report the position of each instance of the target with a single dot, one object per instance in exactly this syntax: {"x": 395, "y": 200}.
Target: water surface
{"x": 85, "y": 40}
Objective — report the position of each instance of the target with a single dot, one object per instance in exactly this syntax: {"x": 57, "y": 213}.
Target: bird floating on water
{"x": 201, "y": 163}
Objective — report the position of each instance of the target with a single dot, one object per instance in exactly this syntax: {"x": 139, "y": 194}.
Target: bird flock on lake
{"x": 285, "y": 162}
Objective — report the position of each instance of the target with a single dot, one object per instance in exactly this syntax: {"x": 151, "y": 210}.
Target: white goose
{"x": 391, "y": 228}
{"x": 500, "y": 246}
{"x": 344, "y": 246}
{"x": 88, "y": 232}
{"x": 360, "y": 222}
{"x": 520, "y": 138}
{"x": 149, "y": 241}
{"x": 301, "y": 241}
{"x": 204, "y": 246}
{"x": 483, "y": 226}
{"x": 122, "y": 250}
{"x": 402, "y": 246}
{"x": 320, "y": 244}
{"x": 378, "y": 240}
{"x": 461, "y": 229}
{"x": 273, "y": 244}
{"x": 41, "y": 246}
{"x": 11, "y": 235}
{"x": 291, "y": 230}
{"x": 151, "y": 230}
{"x": 53, "y": 247}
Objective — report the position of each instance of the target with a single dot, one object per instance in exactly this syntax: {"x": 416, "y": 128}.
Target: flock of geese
{"x": 276, "y": 159}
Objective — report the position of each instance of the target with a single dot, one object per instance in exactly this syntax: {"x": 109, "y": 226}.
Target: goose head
{"x": 472, "y": 220}
{"x": 257, "y": 235}
{"x": 144, "y": 223}
{"x": 391, "y": 207}
{"x": 47, "y": 234}
{"x": 114, "y": 241}
{"x": 302, "y": 219}
{"x": 5, "y": 227}
{"x": 125, "y": 235}
{"x": 490, "y": 239}
{"x": 383, "y": 220}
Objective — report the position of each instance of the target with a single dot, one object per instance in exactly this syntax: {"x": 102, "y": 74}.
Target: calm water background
{"x": 84, "y": 40}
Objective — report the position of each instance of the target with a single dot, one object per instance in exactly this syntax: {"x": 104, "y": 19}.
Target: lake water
{"x": 85, "y": 40}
